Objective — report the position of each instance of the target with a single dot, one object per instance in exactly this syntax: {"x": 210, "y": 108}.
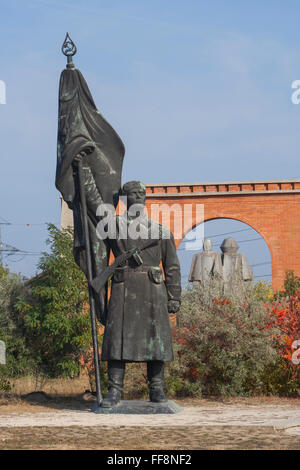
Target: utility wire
{"x": 26, "y": 224}
{"x": 25, "y": 253}
{"x": 5, "y": 221}
{"x": 259, "y": 275}
{"x": 9, "y": 250}
{"x": 217, "y": 244}
{"x": 260, "y": 264}
{"x": 226, "y": 233}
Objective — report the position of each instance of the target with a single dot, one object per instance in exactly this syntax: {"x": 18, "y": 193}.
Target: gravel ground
{"x": 202, "y": 424}
{"x": 147, "y": 438}
{"x": 218, "y": 415}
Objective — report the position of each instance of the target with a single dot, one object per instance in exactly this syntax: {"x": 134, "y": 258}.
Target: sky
{"x": 198, "y": 90}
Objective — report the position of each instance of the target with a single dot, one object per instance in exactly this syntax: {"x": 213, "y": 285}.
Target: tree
{"x": 18, "y": 360}
{"x": 55, "y": 310}
{"x": 8, "y": 285}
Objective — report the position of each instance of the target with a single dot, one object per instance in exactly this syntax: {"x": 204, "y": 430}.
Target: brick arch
{"x": 239, "y": 220}
{"x": 271, "y": 208}
{"x": 228, "y": 218}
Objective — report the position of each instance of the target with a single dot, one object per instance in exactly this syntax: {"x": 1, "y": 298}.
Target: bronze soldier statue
{"x": 88, "y": 175}
{"x": 137, "y": 325}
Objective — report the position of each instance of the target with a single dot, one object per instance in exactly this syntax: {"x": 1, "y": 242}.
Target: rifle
{"x": 98, "y": 282}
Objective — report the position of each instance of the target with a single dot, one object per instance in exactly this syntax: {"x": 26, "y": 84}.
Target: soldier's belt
{"x": 144, "y": 268}
{"x": 154, "y": 273}
{"x": 100, "y": 281}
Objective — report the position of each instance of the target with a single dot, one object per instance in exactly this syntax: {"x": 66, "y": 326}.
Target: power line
{"x": 260, "y": 264}
{"x": 217, "y": 244}
{"x": 9, "y": 250}
{"x": 1, "y": 244}
{"x": 25, "y": 253}
{"x": 5, "y": 221}
{"x": 27, "y": 224}
{"x": 264, "y": 275}
{"x": 5, "y": 247}
{"x": 249, "y": 240}
{"x": 256, "y": 277}
{"x": 219, "y": 235}
{"x": 226, "y": 233}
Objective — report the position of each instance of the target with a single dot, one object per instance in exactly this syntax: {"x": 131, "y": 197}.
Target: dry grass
{"x": 68, "y": 389}
{"x": 54, "y": 387}
{"x": 135, "y": 384}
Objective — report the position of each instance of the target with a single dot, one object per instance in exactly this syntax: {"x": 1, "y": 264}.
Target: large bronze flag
{"x": 81, "y": 128}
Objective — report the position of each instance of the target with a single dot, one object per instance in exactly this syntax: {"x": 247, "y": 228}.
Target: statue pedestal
{"x": 139, "y": 408}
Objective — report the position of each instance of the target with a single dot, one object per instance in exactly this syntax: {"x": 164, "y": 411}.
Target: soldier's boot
{"x": 155, "y": 375}
{"x": 116, "y": 372}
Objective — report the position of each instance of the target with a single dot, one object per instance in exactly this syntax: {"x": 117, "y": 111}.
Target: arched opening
{"x": 250, "y": 242}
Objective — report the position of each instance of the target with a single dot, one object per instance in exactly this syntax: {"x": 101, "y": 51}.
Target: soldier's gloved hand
{"x": 78, "y": 157}
{"x": 82, "y": 154}
{"x": 173, "y": 306}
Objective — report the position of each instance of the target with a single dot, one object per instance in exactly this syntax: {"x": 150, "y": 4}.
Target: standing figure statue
{"x": 206, "y": 264}
{"x": 88, "y": 175}
{"x": 137, "y": 326}
{"x": 235, "y": 265}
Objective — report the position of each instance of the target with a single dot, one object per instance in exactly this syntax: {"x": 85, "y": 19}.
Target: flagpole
{"x": 69, "y": 50}
{"x": 89, "y": 276}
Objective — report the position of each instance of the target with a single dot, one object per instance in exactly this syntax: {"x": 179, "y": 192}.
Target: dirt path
{"x": 147, "y": 438}
{"x": 218, "y": 415}
{"x": 202, "y": 424}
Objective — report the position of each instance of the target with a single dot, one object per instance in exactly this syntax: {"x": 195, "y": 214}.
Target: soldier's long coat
{"x": 137, "y": 324}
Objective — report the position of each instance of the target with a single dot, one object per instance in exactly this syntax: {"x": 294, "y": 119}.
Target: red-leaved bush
{"x": 284, "y": 377}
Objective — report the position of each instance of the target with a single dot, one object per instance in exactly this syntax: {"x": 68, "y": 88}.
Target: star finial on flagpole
{"x": 69, "y": 49}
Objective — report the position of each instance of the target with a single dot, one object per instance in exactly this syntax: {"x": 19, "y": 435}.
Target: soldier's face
{"x": 136, "y": 196}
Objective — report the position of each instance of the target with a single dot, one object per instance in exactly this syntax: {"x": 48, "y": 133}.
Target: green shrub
{"x": 291, "y": 285}
{"x": 5, "y": 385}
{"x": 222, "y": 343}
{"x": 18, "y": 358}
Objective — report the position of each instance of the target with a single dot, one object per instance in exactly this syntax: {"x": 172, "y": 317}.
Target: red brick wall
{"x": 273, "y": 212}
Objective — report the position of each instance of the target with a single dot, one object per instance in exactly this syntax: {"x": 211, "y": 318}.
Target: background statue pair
{"x": 226, "y": 266}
